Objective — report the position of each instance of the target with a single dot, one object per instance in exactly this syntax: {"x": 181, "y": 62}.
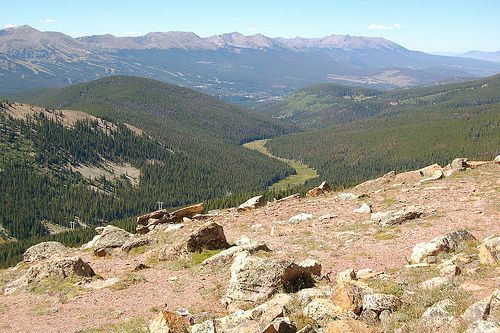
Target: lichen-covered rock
{"x": 324, "y": 311}
{"x": 477, "y": 311}
{"x": 449, "y": 242}
{"x": 262, "y": 316}
{"x": 489, "y": 251}
{"x": 380, "y": 302}
{"x": 109, "y": 237}
{"x": 228, "y": 254}
{"x": 398, "y": 217}
{"x": 254, "y": 279}
{"x": 437, "y": 318}
{"x": 209, "y": 236}
{"x": 483, "y": 326}
{"x": 135, "y": 242}
{"x": 57, "y": 268}
{"x": 349, "y": 296}
{"x": 44, "y": 250}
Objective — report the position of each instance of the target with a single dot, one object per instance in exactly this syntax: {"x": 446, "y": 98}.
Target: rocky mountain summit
{"x": 411, "y": 252}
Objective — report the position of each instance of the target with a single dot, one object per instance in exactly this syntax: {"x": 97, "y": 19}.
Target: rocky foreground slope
{"x": 409, "y": 252}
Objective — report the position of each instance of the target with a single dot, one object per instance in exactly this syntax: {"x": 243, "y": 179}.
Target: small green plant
{"x": 198, "y": 257}
{"x": 64, "y": 289}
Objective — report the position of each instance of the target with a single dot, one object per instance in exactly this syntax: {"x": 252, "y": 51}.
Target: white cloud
{"x": 254, "y": 29}
{"x": 374, "y": 26}
{"x": 48, "y": 20}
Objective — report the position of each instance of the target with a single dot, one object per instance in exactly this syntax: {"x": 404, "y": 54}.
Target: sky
{"x": 436, "y": 26}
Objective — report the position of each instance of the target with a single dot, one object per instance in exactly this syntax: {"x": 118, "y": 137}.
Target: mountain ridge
{"x": 235, "y": 67}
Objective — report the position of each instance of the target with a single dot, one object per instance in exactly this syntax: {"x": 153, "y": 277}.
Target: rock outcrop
{"x": 148, "y": 222}
{"x": 252, "y": 203}
{"x": 254, "y": 279}
{"x": 108, "y": 238}
{"x": 448, "y": 243}
{"x": 397, "y": 217}
{"x": 489, "y": 250}
{"x": 44, "y": 250}
{"x": 209, "y": 236}
{"x": 323, "y": 188}
{"x": 56, "y": 268}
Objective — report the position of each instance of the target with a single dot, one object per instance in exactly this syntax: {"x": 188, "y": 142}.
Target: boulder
{"x": 323, "y": 188}
{"x": 209, "y": 236}
{"x": 148, "y": 222}
{"x": 44, "y": 250}
{"x": 153, "y": 215}
{"x": 262, "y": 316}
{"x": 207, "y": 326}
{"x": 434, "y": 282}
{"x": 290, "y": 197}
{"x": 254, "y": 279}
{"x": 349, "y": 296}
{"x": 324, "y": 311}
{"x": 497, "y": 160}
{"x": 459, "y": 164}
{"x": 109, "y": 237}
{"x": 168, "y": 322}
{"x": 135, "y": 242}
{"x": 229, "y": 254}
{"x": 477, "y": 311}
{"x": 483, "y": 326}
{"x": 300, "y": 218}
{"x": 380, "y": 302}
{"x": 364, "y": 209}
{"x": 489, "y": 251}
{"x": 437, "y": 318}
{"x": 447, "y": 243}
{"x": 494, "y": 311}
{"x": 346, "y": 275}
{"x": 306, "y": 295}
{"x": 351, "y": 326}
{"x": 252, "y": 203}
{"x": 58, "y": 268}
{"x": 398, "y": 217}
{"x": 436, "y": 175}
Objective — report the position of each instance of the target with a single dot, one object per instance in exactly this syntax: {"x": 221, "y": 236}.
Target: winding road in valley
{"x": 303, "y": 171}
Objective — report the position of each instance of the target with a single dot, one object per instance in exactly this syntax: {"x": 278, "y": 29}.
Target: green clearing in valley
{"x": 304, "y": 172}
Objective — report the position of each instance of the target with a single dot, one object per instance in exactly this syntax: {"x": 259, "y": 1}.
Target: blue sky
{"x": 431, "y": 26}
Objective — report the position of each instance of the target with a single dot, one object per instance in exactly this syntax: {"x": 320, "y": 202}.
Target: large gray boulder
{"x": 58, "y": 268}
{"x": 447, "y": 243}
{"x": 209, "y": 236}
{"x": 437, "y": 318}
{"x": 107, "y": 238}
{"x": 44, "y": 250}
{"x": 254, "y": 279}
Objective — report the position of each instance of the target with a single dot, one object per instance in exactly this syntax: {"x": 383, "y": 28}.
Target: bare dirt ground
{"x": 335, "y": 236}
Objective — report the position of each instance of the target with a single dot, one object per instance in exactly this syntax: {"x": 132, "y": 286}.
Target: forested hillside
{"x": 332, "y": 104}
{"x": 412, "y": 128}
{"x": 190, "y": 151}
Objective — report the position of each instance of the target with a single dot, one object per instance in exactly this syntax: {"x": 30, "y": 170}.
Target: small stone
{"x": 364, "y": 209}
{"x": 300, "y": 218}
{"x": 449, "y": 271}
{"x": 434, "y": 282}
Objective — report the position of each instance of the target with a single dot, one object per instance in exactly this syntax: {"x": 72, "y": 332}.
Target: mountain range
{"x": 233, "y": 66}
{"x": 482, "y": 55}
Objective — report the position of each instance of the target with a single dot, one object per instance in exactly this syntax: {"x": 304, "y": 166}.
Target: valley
{"x": 303, "y": 172}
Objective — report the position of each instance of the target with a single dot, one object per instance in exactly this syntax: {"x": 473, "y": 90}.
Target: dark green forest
{"x": 412, "y": 128}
